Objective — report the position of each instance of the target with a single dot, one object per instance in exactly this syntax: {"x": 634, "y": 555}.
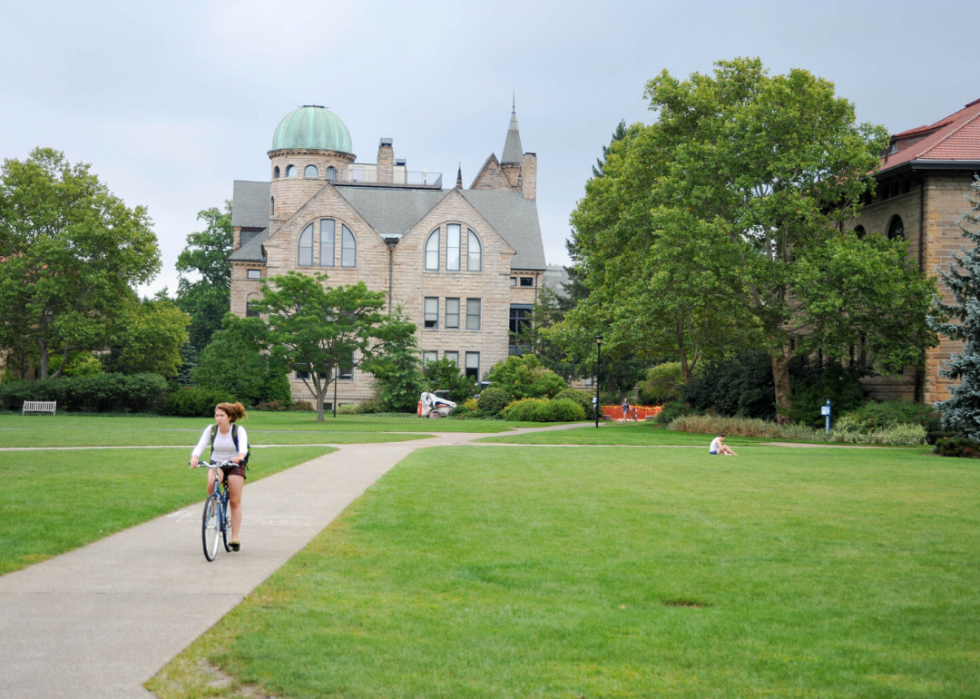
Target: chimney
{"x": 386, "y": 161}
{"x": 529, "y": 176}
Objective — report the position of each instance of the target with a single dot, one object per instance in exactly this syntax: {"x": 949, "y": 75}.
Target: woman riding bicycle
{"x": 223, "y": 449}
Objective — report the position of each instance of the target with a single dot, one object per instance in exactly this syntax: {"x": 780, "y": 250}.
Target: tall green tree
{"x": 960, "y": 320}
{"x": 147, "y": 337}
{"x": 399, "y": 380}
{"x": 318, "y": 330}
{"x": 749, "y": 177}
{"x": 204, "y": 289}
{"x": 71, "y": 254}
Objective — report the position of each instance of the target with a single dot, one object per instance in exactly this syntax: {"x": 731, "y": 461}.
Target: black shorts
{"x": 234, "y": 470}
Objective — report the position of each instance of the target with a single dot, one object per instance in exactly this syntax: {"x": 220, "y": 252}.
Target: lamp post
{"x": 598, "y": 358}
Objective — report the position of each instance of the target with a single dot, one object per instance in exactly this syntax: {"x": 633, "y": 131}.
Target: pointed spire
{"x": 513, "y": 151}
{"x": 459, "y": 177}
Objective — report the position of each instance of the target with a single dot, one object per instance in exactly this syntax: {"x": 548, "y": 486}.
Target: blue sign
{"x": 825, "y": 410}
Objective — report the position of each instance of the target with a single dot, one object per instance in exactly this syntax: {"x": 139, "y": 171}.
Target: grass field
{"x": 638, "y": 434}
{"x": 264, "y": 428}
{"x": 496, "y": 572}
{"x": 52, "y": 502}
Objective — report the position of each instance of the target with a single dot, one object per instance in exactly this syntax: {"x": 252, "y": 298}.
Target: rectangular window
{"x": 429, "y": 356}
{"x": 527, "y": 281}
{"x": 302, "y": 375}
{"x": 472, "y": 314}
{"x": 452, "y": 314}
{"x": 431, "y": 313}
{"x": 520, "y": 320}
{"x": 473, "y": 365}
{"x": 250, "y": 311}
{"x": 255, "y": 274}
{"x": 328, "y": 232}
{"x": 451, "y": 356}
{"x": 346, "y": 369}
{"x": 513, "y": 281}
{"x": 452, "y": 247}
{"x": 590, "y": 382}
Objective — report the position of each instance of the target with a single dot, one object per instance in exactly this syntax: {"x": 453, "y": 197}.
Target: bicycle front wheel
{"x": 210, "y": 526}
{"x": 226, "y": 528}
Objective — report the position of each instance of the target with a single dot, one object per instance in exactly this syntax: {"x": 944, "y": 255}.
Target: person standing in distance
{"x": 224, "y": 448}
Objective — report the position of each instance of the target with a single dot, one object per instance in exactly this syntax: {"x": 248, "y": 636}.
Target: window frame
{"x": 306, "y": 172}
{"x": 292, "y": 169}
{"x": 458, "y": 247}
{"x": 299, "y": 252}
{"x": 478, "y": 315}
{"x": 275, "y": 172}
{"x": 892, "y": 234}
{"x": 258, "y": 274}
{"x": 331, "y": 173}
{"x": 429, "y": 356}
{"x": 346, "y": 232}
{"x": 249, "y": 311}
{"x": 333, "y": 243}
{"x": 471, "y": 236}
{"x": 529, "y": 285}
{"x": 452, "y": 355}
{"x": 348, "y": 373}
{"x": 430, "y": 316}
{"x": 428, "y": 251}
{"x": 456, "y": 314}
{"x": 467, "y": 367}
{"x": 513, "y": 281}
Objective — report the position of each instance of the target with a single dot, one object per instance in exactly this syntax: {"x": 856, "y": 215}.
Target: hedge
{"x": 194, "y": 402}
{"x": 543, "y": 410}
{"x": 101, "y": 393}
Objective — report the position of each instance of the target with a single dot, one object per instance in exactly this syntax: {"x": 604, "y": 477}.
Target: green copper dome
{"x": 312, "y": 127}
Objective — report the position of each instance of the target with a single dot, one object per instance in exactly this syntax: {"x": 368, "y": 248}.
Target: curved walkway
{"x": 101, "y": 620}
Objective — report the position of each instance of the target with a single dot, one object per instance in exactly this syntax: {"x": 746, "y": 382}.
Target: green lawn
{"x": 638, "y": 434}
{"x": 52, "y": 502}
{"x": 476, "y": 572}
{"x": 263, "y": 428}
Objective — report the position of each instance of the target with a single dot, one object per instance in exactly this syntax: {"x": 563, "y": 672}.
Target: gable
{"x": 491, "y": 176}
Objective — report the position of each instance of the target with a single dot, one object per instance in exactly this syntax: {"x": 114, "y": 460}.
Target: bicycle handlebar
{"x": 202, "y": 464}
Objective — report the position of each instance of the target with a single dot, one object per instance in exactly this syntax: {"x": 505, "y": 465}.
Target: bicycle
{"x": 217, "y": 515}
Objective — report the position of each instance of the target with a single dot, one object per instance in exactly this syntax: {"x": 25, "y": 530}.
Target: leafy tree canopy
{"x": 204, "y": 289}
{"x": 70, "y": 255}
{"x": 147, "y": 337}
{"x": 444, "y": 375}
{"x": 525, "y": 377}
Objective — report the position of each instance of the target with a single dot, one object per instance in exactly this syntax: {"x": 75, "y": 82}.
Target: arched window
{"x": 332, "y": 173}
{"x": 896, "y": 229}
{"x": 272, "y": 205}
{"x": 275, "y": 173}
{"x": 432, "y": 251}
{"x": 348, "y": 256}
{"x": 474, "y": 252}
{"x": 860, "y": 232}
{"x": 311, "y": 171}
{"x": 250, "y": 311}
{"x": 328, "y": 230}
{"x": 290, "y": 171}
{"x": 306, "y": 247}
{"x": 452, "y": 247}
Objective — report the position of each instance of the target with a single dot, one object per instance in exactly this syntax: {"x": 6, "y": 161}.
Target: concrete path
{"x": 103, "y": 619}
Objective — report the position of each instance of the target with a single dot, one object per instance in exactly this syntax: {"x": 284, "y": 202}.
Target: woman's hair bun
{"x": 234, "y": 411}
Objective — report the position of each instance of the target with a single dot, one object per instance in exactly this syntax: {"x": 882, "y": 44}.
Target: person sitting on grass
{"x": 718, "y": 446}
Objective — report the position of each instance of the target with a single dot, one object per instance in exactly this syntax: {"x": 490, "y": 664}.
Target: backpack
{"x": 234, "y": 438}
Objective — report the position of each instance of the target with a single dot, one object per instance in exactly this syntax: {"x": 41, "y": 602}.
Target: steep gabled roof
{"x": 953, "y": 139}
{"x": 251, "y": 204}
{"x": 513, "y": 151}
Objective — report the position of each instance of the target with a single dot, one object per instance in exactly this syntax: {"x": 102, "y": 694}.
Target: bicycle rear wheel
{"x": 210, "y": 524}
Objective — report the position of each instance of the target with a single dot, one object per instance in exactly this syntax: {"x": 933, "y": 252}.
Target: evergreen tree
{"x": 961, "y": 321}
{"x": 189, "y": 357}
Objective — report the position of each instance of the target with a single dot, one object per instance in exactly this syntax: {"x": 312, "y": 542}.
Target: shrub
{"x": 565, "y": 410}
{"x": 444, "y": 375}
{"x": 492, "y": 400}
{"x": 194, "y": 402}
{"x": 367, "y": 407}
{"x": 272, "y": 406}
{"x": 958, "y": 446}
{"x": 750, "y": 427}
{"x": 583, "y": 398}
{"x": 671, "y": 411}
{"x": 303, "y": 406}
{"x": 742, "y": 386}
{"x": 895, "y": 435}
{"x": 873, "y": 416}
{"x": 663, "y": 383}
{"x": 542, "y": 410}
{"x": 812, "y": 386}
{"x": 461, "y": 412}
{"x": 347, "y": 409}
{"x": 732, "y": 426}
{"x": 525, "y": 377}
{"x": 471, "y": 404}
{"x": 98, "y": 393}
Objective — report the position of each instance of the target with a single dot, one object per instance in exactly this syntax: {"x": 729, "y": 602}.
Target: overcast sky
{"x": 171, "y": 102}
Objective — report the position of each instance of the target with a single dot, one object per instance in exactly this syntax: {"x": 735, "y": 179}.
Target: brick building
{"x": 924, "y": 178}
{"x": 465, "y": 264}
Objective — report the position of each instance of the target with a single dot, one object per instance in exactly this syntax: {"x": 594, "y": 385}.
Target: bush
{"x": 347, "y": 409}
{"x": 99, "y": 393}
{"x": 751, "y": 427}
{"x": 542, "y": 410}
{"x": 812, "y": 386}
{"x": 958, "y": 446}
{"x": 525, "y": 377}
{"x": 874, "y": 416}
{"x": 492, "y": 400}
{"x": 471, "y": 404}
{"x": 461, "y": 412}
{"x": 732, "y": 426}
{"x": 272, "y": 406}
{"x": 671, "y": 411}
{"x": 741, "y": 386}
{"x": 583, "y": 398}
{"x": 444, "y": 375}
{"x": 194, "y": 402}
{"x": 367, "y": 407}
{"x": 896, "y": 435}
{"x": 663, "y": 383}
{"x": 303, "y": 406}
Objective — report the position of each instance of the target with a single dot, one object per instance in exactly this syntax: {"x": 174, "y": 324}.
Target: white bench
{"x": 40, "y": 406}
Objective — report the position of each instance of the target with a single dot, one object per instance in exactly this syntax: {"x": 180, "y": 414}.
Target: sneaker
{"x": 236, "y": 545}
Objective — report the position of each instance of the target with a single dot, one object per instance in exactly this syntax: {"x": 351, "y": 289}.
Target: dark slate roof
{"x": 393, "y": 211}
{"x": 513, "y": 151}
{"x": 555, "y": 278}
{"x": 251, "y": 204}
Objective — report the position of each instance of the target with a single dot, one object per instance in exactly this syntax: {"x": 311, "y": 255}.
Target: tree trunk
{"x": 784, "y": 389}
{"x": 43, "y": 347}
{"x": 321, "y": 393}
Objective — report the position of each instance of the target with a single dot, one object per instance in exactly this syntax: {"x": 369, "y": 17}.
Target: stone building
{"x": 925, "y": 176}
{"x": 465, "y": 264}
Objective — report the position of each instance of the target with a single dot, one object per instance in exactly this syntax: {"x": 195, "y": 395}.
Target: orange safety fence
{"x": 642, "y": 411}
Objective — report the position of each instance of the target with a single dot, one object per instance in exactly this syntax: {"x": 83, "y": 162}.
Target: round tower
{"x": 311, "y": 145}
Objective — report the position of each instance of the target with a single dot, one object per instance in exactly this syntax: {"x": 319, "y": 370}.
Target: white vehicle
{"x": 433, "y": 407}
